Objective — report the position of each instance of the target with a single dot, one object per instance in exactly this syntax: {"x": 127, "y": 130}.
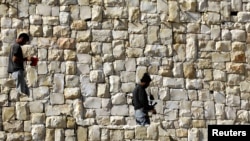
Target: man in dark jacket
{"x": 16, "y": 63}
{"x": 141, "y": 103}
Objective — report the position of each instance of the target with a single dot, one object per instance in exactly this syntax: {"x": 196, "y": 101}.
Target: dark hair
{"x": 146, "y": 78}
{"x": 24, "y": 35}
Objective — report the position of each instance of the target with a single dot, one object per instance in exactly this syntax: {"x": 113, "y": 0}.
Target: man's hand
{"x": 153, "y": 111}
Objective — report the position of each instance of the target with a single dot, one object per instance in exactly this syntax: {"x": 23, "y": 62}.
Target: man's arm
{"x": 20, "y": 60}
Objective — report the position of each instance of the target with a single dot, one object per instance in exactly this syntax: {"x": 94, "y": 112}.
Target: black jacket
{"x": 140, "y": 99}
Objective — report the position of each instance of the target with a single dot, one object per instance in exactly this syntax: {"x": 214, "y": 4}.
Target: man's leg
{"x": 141, "y": 117}
{"x": 21, "y": 85}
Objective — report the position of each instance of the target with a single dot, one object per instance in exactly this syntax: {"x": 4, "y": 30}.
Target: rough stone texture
{"x": 93, "y": 52}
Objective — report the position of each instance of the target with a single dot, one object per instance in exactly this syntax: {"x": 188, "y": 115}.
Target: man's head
{"x": 145, "y": 80}
{"x": 23, "y": 38}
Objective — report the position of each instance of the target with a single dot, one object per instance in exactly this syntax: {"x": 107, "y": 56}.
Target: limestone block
{"x": 118, "y": 50}
{"x": 59, "y": 135}
{"x": 36, "y": 107}
{"x": 16, "y": 23}
{"x": 22, "y": 111}
{"x": 50, "y": 134}
{"x": 27, "y": 126}
{"x": 220, "y": 57}
{"x": 42, "y": 68}
{"x": 83, "y": 47}
{"x": 79, "y": 25}
{"x": 66, "y": 43}
{"x": 71, "y": 123}
{"x": 119, "y": 65}
{"x": 56, "y": 98}
{"x": 59, "y": 83}
{"x": 119, "y": 35}
{"x": 35, "y": 19}
{"x": 103, "y": 112}
{"x": 114, "y": 83}
{"x": 85, "y": 12}
{"x": 127, "y": 87}
{"x": 64, "y": 18}
{"x": 61, "y": 31}
{"x": 83, "y": 2}
{"x": 219, "y": 111}
{"x": 8, "y": 35}
{"x": 117, "y": 120}
{"x": 220, "y": 97}
{"x": 171, "y": 114}
{"x": 103, "y": 91}
{"x": 173, "y": 9}
{"x": 53, "y": 67}
{"x": 225, "y": 9}
{"x": 211, "y": 18}
{"x": 118, "y": 99}
{"x": 119, "y": 110}
{"x": 185, "y": 122}
{"x": 137, "y": 28}
{"x": 71, "y": 81}
{"x": 134, "y": 14}
{"x": 130, "y": 64}
{"x": 233, "y": 100}
{"x": 40, "y": 92}
{"x": 72, "y": 93}
{"x": 235, "y": 6}
{"x": 134, "y": 52}
{"x": 36, "y": 30}
{"x": 101, "y": 35}
{"x": 116, "y": 135}
{"x": 8, "y": 114}
{"x": 6, "y": 22}
{"x": 15, "y": 136}
{"x": 97, "y": 76}
{"x": 69, "y": 55}
{"x": 173, "y": 82}
{"x": 223, "y": 46}
{"x": 137, "y": 40}
{"x": 83, "y": 69}
{"x": 140, "y": 132}
{"x": 115, "y": 12}
{"x": 129, "y": 134}
{"x": 13, "y": 126}
{"x": 55, "y": 55}
{"x": 178, "y": 94}
{"x": 219, "y": 75}
{"x": 226, "y": 34}
{"x": 92, "y": 102}
{"x": 193, "y": 134}
{"x": 82, "y": 133}
{"x": 44, "y": 10}
{"x": 42, "y": 54}
{"x": 4, "y": 99}
{"x": 238, "y": 35}
{"x": 152, "y": 131}
{"x": 68, "y": 2}
{"x": 233, "y": 79}
{"x": 121, "y": 24}
{"x": 23, "y": 9}
{"x": 108, "y": 68}
{"x": 242, "y": 116}
{"x": 96, "y": 13}
{"x": 3, "y": 10}
{"x": 38, "y": 118}
{"x": 106, "y": 103}
{"x": 38, "y": 132}
{"x": 94, "y": 133}
{"x": 83, "y": 36}
{"x": 47, "y": 20}
{"x": 56, "y": 122}
{"x": 209, "y": 110}
{"x": 155, "y": 50}
{"x": 89, "y": 113}
{"x": 105, "y": 134}
{"x": 87, "y": 88}
{"x": 181, "y": 132}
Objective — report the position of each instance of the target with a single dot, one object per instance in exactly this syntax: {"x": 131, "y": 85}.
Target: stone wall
{"x": 93, "y": 52}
